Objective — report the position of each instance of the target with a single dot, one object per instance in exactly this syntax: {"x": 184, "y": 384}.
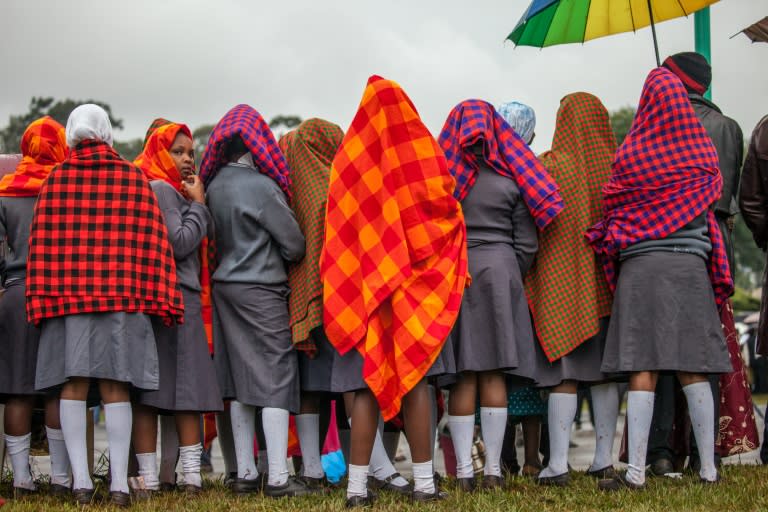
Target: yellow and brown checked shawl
{"x": 394, "y": 263}
{"x": 566, "y": 286}
{"x": 309, "y": 150}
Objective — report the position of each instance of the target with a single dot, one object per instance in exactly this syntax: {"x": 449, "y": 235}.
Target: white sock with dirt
{"x": 561, "y": 410}
{"x": 381, "y": 466}
{"x": 701, "y": 408}
{"x": 493, "y": 424}
{"x": 243, "y": 430}
{"x": 276, "y": 434}
{"x": 18, "y": 451}
{"x": 59, "y": 458}
{"x": 73, "y": 424}
{"x": 190, "y": 464}
{"x": 357, "y": 482}
{"x": 169, "y": 449}
{"x": 424, "y": 477}
{"x": 148, "y": 470}
{"x": 118, "y": 421}
{"x": 226, "y": 442}
{"x": 308, "y": 430}
{"x": 462, "y": 434}
{"x": 605, "y": 408}
{"x": 639, "y": 416}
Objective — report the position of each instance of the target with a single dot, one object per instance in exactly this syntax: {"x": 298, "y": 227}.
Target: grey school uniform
{"x": 18, "y": 339}
{"x": 187, "y": 376}
{"x": 664, "y": 316}
{"x": 493, "y": 330}
{"x": 256, "y": 234}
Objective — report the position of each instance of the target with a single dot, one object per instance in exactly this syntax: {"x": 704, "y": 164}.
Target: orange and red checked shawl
{"x": 566, "y": 286}
{"x": 394, "y": 263}
{"x": 43, "y": 145}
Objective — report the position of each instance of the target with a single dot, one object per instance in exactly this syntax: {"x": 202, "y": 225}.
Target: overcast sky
{"x": 190, "y": 60}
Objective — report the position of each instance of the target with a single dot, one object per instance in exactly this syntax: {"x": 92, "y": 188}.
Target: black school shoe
{"x": 561, "y": 480}
{"x": 83, "y": 496}
{"x": 388, "y": 485}
{"x": 361, "y": 501}
{"x": 426, "y": 497}
{"x": 468, "y": 484}
{"x": 119, "y": 499}
{"x": 20, "y": 493}
{"x": 244, "y": 486}
{"x": 618, "y": 483}
{"x": 605, "y": 473}
{"x": 292, "y": 487}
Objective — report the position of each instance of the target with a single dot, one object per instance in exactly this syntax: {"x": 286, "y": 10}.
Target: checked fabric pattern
{"x": 98, "y": 242}
{"x": 566, "y": 286}
{"x": 43, "y": 145}
{"x": 309, "y": 151}
{"x": 504, "y": 151}
{"x": 664, "y": 175}
{"x": 394, "y": 263}
{"x": 245, "y": 122}
{"x": 157, "y": 123}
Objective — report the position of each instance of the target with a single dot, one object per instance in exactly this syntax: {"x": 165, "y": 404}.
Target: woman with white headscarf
{"x": 99, "y": 266}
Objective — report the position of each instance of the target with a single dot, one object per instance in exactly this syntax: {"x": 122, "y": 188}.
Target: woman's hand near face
{"x": 193, "y": 188}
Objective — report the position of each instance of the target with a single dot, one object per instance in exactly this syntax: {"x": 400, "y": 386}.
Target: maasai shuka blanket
{"x": 43, "y": 145}
{"x": 472, "y": 121}
{"x": 157, "y": 164}
{"x": 394, "y": 263}
{"x": 566, "y": 286}
{"x": 98, "y": 242}
{"x": 247, "y": 123}
{"x": 665, "y": 174}
{"x": 309, "y": 151}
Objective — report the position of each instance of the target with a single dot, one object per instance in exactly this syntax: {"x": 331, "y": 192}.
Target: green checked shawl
{"x": 566, "y": 286}
{"x": 309, "y": 150}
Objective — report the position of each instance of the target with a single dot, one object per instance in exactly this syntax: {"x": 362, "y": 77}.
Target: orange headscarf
{"x": 43, "y": 146}
{"x": 156, "y": 160}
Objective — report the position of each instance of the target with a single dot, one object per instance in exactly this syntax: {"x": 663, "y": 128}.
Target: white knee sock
{"x": 702, "y": 410}
{"x": 118, "y": 420}
{"x": 243, "y": 429}
{"x": 357, "y": 483}
{"x": 72, "y": 413}
{"x": 276, "y": 434}
{"x": 639, "y": 416}
{"x": 148, "y": 470}
{"x": 308, "y": 430}
{"x": 190, "y": 464}
{"x": 169, "y": 449}
{"x": 462, "y": 434}
{"x": 493, "y": 424}
{"x": 561, "y": 410}
{"x": 59, "y": 458}
{"x": 226, "y": 442}
{"x": 424, "y": 477}
{"x": 605, "y": 407}
{"x": 381, "y": 466}
{"x": 18, "y": 451}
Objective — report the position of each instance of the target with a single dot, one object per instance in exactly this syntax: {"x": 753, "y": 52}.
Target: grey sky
{"x": 191, "y": 60}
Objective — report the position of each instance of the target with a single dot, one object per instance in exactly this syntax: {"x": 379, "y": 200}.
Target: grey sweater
{"x": 188, "y": 223}
{"x": 256, "y": 230}
{"x": 693, "y": 238}
{"x": 495, "y": 212}
{"x": 15, "y": 221}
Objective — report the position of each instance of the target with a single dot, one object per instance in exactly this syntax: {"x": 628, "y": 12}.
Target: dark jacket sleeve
{"x": 753, "y": 196}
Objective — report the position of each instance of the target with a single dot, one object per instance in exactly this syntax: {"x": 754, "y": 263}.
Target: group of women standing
{"x": 387, "y": 259}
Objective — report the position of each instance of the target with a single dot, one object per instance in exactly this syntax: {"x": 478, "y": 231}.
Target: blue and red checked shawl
{"x": 665, "y": 174}
{"x": 503, "y": 150}
{"x": 246, "y": 122}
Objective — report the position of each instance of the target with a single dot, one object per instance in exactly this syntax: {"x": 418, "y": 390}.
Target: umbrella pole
{"x": 653, "y": 29}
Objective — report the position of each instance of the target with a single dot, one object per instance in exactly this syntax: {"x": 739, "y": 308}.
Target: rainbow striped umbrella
{"x": 551, "y": 22}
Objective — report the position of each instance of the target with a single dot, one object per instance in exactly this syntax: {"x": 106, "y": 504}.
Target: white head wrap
{"x": 521, "y": 118}
{"x": 88, "y": 121}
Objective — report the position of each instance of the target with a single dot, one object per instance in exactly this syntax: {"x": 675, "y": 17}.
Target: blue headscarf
{"x": 520, "y": 117}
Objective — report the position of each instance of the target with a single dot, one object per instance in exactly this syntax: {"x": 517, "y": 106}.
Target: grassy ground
{"x": 743, "y": 488}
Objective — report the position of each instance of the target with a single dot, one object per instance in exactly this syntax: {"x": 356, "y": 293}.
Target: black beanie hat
{"x": 692, "y": 69}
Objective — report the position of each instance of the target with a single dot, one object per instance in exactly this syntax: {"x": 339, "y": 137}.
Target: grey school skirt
{"x": 116, "y": 346}
{"x": 315, "y": 372}
{"x": 254, "y": 357}
{"x": 664, "y": 317}
{"x": 18, "y": 343}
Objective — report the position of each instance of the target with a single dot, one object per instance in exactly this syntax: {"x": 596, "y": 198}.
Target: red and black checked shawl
{"x": 566, "y": 286}
{"x": 503, "y": 151}
{"x": 665, "y": 174}
{"x": 309, "y": 150}
{"x": 247, "y": 123}
{"x": 98, "y": 242}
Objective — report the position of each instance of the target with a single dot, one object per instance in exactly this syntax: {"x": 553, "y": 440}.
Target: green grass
{"x": 743, "y": 488}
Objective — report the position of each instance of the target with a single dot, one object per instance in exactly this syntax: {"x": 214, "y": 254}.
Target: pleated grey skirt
{"x": 664, "y": 317}
{"x": 315, "y": 372}
{"x": 254, "y": 357}
{"x": 18, "y": 343}
{"x": 116, "y": 346}
{"x": 187, "y": 376}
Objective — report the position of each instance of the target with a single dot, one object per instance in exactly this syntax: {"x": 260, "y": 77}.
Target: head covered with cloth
{"x": 394, "y": 263}
{"x": 664, "y": 175}
{"x": 98, "y": 242}
{"x": 309, "y": 151}
{"x": 521, "y": 118}
{"x": 476, "y": 122}
{"x": 566, "y": 287}
{"x": 43, "y": 145}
